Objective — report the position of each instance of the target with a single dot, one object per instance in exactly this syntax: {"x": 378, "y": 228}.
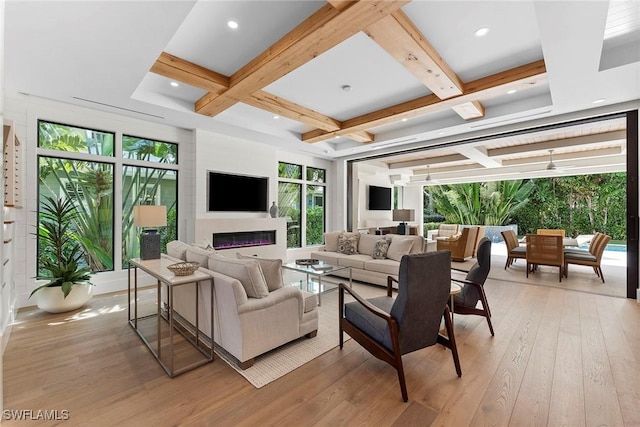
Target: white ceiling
{"x": 98, "y": 54}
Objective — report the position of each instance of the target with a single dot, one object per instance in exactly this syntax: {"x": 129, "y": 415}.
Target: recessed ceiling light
{"x": 405, "y": 119}
{"x": 599, "y": 101}
{"x": 276, "y": 117}
{"x": 337, "y": 136}
{"x": 481, "y": 31}
{"x": 232, "y": 24}
{"x": 174, "y": 84}
{"x": 441, "y": 133}
{"x": 346, "y": 88}
{"x": 512, "y": 91}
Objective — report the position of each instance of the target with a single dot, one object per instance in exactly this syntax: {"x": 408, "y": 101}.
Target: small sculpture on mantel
{"x": 273, "y": 211}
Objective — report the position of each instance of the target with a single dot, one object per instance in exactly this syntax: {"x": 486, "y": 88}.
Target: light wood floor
{"x": 559, "y": 357}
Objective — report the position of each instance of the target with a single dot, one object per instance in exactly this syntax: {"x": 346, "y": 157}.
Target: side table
{"x": 157, "y": 268}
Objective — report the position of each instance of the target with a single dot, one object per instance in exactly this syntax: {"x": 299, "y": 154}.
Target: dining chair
{"x": 591, "y": 257}
{"x": 514, "y": 250}
{"x": 389, "y": 327}
{"x": 550, "y": 232}
{"x": 545, "y": 249}
{"x": 466, "y": 301}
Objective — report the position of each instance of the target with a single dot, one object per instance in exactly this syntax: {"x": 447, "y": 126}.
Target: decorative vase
{"x": 273, "y": 211}
{"x": 52, "y": 299}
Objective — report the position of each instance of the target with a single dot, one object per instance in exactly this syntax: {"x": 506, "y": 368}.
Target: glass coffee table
{"x": 318, "y": 270}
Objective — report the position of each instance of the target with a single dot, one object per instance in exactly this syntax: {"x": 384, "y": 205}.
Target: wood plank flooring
{"x": 559, "y": 357}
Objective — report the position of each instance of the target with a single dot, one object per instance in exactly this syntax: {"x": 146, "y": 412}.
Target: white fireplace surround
{"x": 205, "y": 227}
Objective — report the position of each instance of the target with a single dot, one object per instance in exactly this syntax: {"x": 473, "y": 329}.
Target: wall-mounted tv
{"x": 237, "y": 193}
{"x": 379, "y": 198}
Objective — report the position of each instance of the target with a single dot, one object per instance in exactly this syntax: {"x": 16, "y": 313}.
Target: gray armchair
{"x": 389, "y": 327}
{"x": 466, "y": 301}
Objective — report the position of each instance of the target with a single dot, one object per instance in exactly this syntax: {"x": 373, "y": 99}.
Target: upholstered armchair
{"x": 445, "y": 231}
{"x": 461, "y": 246}
{"x": 466, "y": 302}
{"x": 389, "y": 327}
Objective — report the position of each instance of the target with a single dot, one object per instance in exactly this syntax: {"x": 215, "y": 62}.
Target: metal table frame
{"x": 157, "y": 268}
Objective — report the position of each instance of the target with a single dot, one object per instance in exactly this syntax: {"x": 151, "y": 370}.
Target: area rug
{"x": 282, "y": 360}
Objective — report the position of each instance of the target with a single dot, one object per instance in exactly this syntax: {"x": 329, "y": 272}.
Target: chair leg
{"x": 340, "y": 314}
{"x": 601, "y": 275}
{"x": 506, "y": 264}
{"x": 487, "y": 310}
{"x": 451, "y": 340}
{"x": 403, "y": 384}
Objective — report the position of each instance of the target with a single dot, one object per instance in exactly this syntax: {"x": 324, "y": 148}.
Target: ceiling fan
{"x": 552, "y": 166}
{"x": 428, "y": 178}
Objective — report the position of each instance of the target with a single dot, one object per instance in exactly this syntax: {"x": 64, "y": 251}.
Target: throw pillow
{"x": 177, "y": 249}
{"x": 331, "y": 241}
{"x": 398, "y": 247}
{"x": 247, "y": 271}
{"x": 380, "y": 249}
{"x": 348, "y": 244}
{"x": 366, "y": 243}
{"x": 199, "y": 255}
{"x": 271, "y": 268}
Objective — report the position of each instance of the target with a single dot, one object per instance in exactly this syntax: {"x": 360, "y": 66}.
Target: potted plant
{"x": 68, "y": 283}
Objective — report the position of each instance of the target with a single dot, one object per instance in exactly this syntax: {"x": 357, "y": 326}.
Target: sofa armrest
{"x": 274, "y": 298}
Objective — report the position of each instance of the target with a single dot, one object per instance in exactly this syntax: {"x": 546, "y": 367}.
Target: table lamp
{"x": 146, "y": 216}
{"x": 403, "y": 215}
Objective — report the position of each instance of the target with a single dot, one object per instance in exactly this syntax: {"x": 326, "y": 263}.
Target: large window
{"x": 80, "y": 164}
{"x": 309, "y": 222}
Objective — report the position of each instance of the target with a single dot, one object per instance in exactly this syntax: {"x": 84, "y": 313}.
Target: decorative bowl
{"x": 307, "y": 261}
{"x": 183, "y": 268}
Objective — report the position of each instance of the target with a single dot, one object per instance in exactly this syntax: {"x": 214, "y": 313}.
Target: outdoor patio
{"x": 580, "y": 278}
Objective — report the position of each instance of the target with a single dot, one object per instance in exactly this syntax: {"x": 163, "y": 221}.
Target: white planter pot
{"x": 52, "y": 299}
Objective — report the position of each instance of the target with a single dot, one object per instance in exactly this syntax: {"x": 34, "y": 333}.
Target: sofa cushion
{"x": 330, "y": 257}
{"x": 366, "y": 243}
{"x": 271, "y": 268}
{"x": 199, "y": 255}
{"x": 355, "y": 261}
{"x": 348, "y": 243}
{"x": 177, "y": 249}
{"x": 247, "y": 271}
{"x": 447, "y": 230}
{"x": 384, "y": 266}
{"x": 331, "y": 241}
{"x": 380, "y": 249}
{"x": 399, "y": 246}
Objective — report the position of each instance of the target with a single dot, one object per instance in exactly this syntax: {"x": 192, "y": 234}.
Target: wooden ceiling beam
{"x": 521, "y": 78}
{"x": 469, "y": 110}
{"x": 403, "y": 40}
{"x": 189, "y": 73}
{"x": 317, "y": 34}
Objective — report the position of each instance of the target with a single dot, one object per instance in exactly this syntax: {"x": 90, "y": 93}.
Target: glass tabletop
{"x": 322, "y": 267}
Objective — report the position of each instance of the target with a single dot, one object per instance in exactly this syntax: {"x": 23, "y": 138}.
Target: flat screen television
{"x": 379, "y": 198}
{"x": 237, "y": 193}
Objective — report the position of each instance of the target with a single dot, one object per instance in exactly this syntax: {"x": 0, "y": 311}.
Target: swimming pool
{"x": 610, "y": 247}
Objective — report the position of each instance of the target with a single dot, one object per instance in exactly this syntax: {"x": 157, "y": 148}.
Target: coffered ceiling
{"x": 340, "y": 78}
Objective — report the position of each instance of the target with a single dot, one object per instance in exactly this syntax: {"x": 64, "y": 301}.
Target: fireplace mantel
{"x": 205, "y": 227}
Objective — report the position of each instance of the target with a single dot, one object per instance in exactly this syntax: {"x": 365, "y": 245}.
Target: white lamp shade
{"x": 149, "y": 216}
{"x": 403, "y": 215}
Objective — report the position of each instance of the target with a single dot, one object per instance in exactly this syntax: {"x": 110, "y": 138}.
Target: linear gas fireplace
{"x": 244, "y": 239}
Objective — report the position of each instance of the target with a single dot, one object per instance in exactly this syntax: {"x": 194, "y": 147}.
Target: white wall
{"x": 199, "y": 151}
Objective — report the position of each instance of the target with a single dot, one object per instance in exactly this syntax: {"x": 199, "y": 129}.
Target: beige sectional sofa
{"x": 253, "y": 311}
{"x": 366, "y": 267}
